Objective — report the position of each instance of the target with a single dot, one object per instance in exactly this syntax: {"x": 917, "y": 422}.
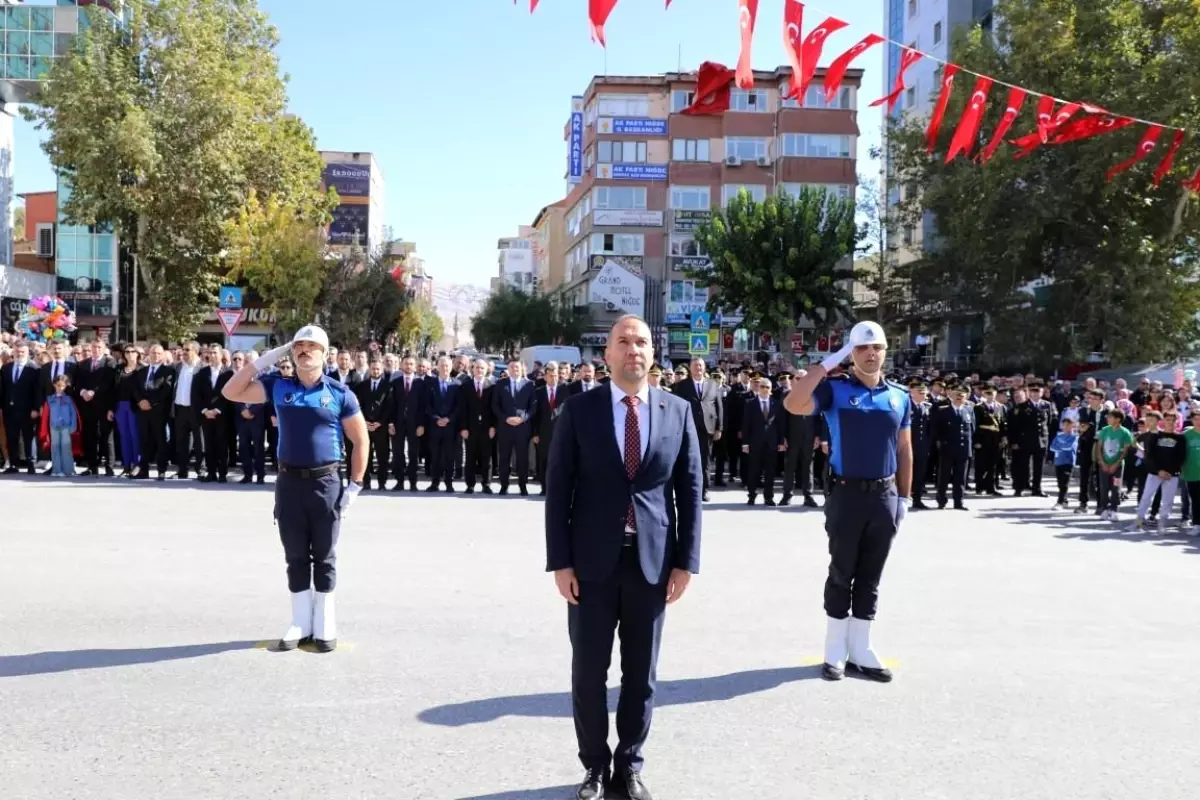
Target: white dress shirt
{"x": 619, "y": 411}
{"x": 183, "y": 388}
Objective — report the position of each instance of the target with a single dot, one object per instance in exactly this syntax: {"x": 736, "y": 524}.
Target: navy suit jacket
{"x": 587, "y": 492}
{"x": 443, "y": 405}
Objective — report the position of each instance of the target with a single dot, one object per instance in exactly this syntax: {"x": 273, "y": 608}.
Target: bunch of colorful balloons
{"x": 47, "y": 319}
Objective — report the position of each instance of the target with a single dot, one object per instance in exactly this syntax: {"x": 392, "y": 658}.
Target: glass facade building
{"x": 85, "y": 260}
{"x": 33, "y": 36}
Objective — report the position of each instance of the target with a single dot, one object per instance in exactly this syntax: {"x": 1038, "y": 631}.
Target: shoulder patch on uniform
{"x": 895, "y": 402}
{"x": 326, "y": 399}
{"x": 289, "y": 398}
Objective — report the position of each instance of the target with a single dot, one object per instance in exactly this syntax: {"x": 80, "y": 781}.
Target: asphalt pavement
{"x": 1037, "y": 655}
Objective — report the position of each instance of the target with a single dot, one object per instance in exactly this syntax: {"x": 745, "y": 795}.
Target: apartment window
{"x": 622, "y": 105}
{"x": 815, "y": 98}
{"x": 784, "y": 88}
{"x": 910, "y": 97}
{"x": 686, "y": 292}
{"x": 681, "y": 99}
{"x": 814, "y": 145}
{"x": 836, "y": 189}
{"x": 758, "y": 192}
{"x": 621, "y": 152}
{"x": 749, "y": 100}
{"x": 937, "y": 33}
{"x": 684, "y": 245}
{"x": 912, "y": 8}
{"x": 910, "y": 234}
{"x": 691, "y": 150}
{"x": 690, "y": 198}
{"x": 620, "y": 196}
{"x": 746, "y": 148}
{"x": 619, "y": 244}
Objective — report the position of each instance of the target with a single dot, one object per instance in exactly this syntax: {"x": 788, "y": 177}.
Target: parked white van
{"x": 550, "y": 352}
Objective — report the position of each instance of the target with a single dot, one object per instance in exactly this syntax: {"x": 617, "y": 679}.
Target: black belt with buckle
{"x": 313, "y": 472}
{"x": 863, "y": 485}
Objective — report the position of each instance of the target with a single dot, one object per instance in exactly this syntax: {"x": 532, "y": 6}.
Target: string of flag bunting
{"x": 1057, "y": 121}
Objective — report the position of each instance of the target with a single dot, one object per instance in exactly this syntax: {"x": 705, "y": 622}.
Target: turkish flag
{"x": 967, "y": 132}
{"x": 747, "y": 14}
{"x": 714, "y": 85}
{"x": 532, "y": 6}
{"x": 1077, "y": 130}
{"x": 793, "y": 24}
{"x": 810, "y": 52}
{"x": 1144, "y": 148}
{"x": 1048, "y": 122}
{"x": 1192, "y": 184}
{"x": 939, "y": 111}
{"x": 1016, "y": 99}
{"x": 907, "y": 59}
{"x": 835, "y": 71}
{"x": 598, "y": 11}
{"x": 1165, "y": 166}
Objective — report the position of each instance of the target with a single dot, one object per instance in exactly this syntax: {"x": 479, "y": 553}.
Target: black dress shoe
{"x": 750, "y": 500}
{"x": 524, "y": 491}
{"x": 487, "y": 489}
{"x": 878, "y": 674}
{"x": 260, "y": 480}
{"x": 631, "y": 783}
{"x": 770, "y": 501}
{"x": 809, "y": 502}
{"x": 593, "y": 786}
{"x": 959, "y": 507}
{"x": 786, "y": 500}
{"x": 831, "y": 673}
{"x": 324, "y": 645}
{"x": 245, "y": 479}
{"x": 433, "y": 487}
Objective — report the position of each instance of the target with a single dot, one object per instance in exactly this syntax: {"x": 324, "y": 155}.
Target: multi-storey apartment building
{"x": 641, "y": 177}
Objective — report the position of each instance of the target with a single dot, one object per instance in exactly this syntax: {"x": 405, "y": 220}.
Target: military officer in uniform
{"x": 922, "y": 438}
{"x": 989, "y": 430}
{"x": 955, "y": 428}
{"x": 1027, "y": 435}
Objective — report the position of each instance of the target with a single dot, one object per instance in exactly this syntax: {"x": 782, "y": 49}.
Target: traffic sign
{"x": 698, "y": 344}
{"x": 229, "y": 320}
{"x": 230, "y": 297}
{"x": 701, "y": 321}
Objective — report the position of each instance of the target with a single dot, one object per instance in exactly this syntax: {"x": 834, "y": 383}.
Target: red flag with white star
{"x": 967, "y": 132}
{"x": 598, "y": 11}
{"x": 1145, "y": 147}
{"x": 810, "y": 52}
{"x": 907, "y": 59}
{"x": 1076, "y": 130}
{"x": 835, "y": 71}
{"x": 713, "y": 87}
{"x": 1016, "y": 99}
{"x": 939, "y": 111}
{"x": 793, "y": 24}
{"x": 747, "y": 14}
{"x": 1165, "y": 165}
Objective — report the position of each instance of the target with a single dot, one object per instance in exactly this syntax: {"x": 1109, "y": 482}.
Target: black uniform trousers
{"x": 478, "y": 463}
{"x": 987, "y": 458}
{"x": 306, "y": 511}
{"x": 543, "y": 458}
{"x": 512, "y": 439}
{"x": 152, "y": 438}
{"x": 626, "y": 599}
{"x": 96, "y": 436}
{"x": 442, "y": 442}
{"x": 860, "y": 518}
{"x": 406, "y": 456}
{"x": 186, "y": 436}
{"x": 952, "y": 470}
{"x": 921, "y": 461}
{"x": 379, "y": 455}
{"x": 706, "y": 445}
{"x": 799, "y": 455}
{"x": 1027, "y": 468}
{"x": 252, "y": 452}
{"x": 216, "y": 446}
{"x": 760, "y": 470}
{"x": 732, "y": 447}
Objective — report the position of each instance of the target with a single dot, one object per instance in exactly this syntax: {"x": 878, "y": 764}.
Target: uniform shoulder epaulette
{"x": 896, "y": 385}
{"x": 839, "y": 377}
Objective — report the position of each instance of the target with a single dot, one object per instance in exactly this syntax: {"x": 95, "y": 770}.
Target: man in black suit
{"x": 443, "y": 407}
{"x": 800, "y": 433}
{"x": 548, "y": 400}
{"x": 707, "y": 409}
{"x": 375, "y": 399}
{"x": 762, "y": 439}
{"x": 512, "y": 408}
{"x": 95, "y": 382}
{"x": 586, "y": 380}
{"x": 623, "y": 508}
{"x": 210, "y": 403}
{"x": 155, "y": 393}
{"x": 20, "y": 388}
{"x": 58, "y": 365}
{"x": 408, "y": 423}
{"x": 479, "y": 426}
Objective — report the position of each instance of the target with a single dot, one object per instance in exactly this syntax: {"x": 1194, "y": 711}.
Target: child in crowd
{"x": 64, "y": 421}
{"x": 1065, "y": 448}
{"x": 1165, "y": 451}
{"x": 1113, "y": 442}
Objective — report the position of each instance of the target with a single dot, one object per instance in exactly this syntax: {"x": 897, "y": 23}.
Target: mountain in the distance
{"x": 462, "y": 299}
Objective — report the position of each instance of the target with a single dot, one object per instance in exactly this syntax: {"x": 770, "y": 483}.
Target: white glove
{"x": 902, "y": 504}
{"x": 834, "y": 361}
{"x": 268, "y": 359}
{"x": 348, "y": 494}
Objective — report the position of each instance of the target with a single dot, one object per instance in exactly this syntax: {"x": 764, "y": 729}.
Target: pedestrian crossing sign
{"x": 701, "y": 321}
{"x": 230, "y": 297}
{"x": 698, "y": 344}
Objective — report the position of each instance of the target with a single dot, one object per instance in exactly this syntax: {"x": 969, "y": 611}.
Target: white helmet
{"x": 867, "y": 333}
{"x": 314, "y": 334}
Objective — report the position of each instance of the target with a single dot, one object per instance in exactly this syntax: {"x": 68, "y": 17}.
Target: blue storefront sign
{"x": 575, "y": 142}
{"x": 640, "y": 126}
{"x": 639, "y": 172}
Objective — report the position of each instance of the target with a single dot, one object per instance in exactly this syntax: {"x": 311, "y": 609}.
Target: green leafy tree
{"x": 420, "y": 328}
{"x": 360, "y": 300}
{"x": 281, "y": 254}
{"x": 511, "y": 319}
{"x": 162, "y": 127}
{"x": 881, "y": 289}
{"x": 782, "y": 260}
{"x": 1117, "y": 259}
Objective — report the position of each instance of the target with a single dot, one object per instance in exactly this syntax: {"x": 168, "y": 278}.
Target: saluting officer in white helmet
{"x": 313, "y": 411}
{"x": 870, "y": 461}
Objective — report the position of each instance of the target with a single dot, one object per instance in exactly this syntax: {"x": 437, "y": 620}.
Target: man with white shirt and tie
{"x": 479, "y": 427}
{"x": 586, "y": 381}
{"x": 546, "y": 410}
{"x": 155, "y": 391}
{"x": 512, "y": 406}
{"x": 408, "y": 423}
{"x": 375, "y": 399}
{"x": 19, "y": 394}
{"x": 186, "y": 431}
{"x": 95, "y": 382}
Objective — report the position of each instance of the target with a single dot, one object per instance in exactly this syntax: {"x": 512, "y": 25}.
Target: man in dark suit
{"x": 762, "y": 437}
{"x": 408, "y": 423}
{"x": 375, "y": 399}
{"x": 58, "y": 365}
{"x": 800, "y": 435}
{"x": 444, "y": 423}
{"x": 547, "y": 406}
{"x": 512, "y": 408}
{"x": 20, "y": 388}
{"x": 95, "y": 382}
{"x": 623, "y": 507}
{"x": 209, "y": 402}
{"x": 707, "y": 410}
{"x": 733, "y": 403}
{"x": 479, "y": 426}
{"x": 586, "y": 380}
{"x": 155, "y": 394}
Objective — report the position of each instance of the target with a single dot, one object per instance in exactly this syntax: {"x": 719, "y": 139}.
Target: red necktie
{"x": 479, "y": 389}
{"x": 633, "y": 451}
{"x": 551, "y": 399}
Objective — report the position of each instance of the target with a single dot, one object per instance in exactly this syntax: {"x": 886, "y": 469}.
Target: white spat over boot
{"x": 302, "y": 621}
{"x": 862, "y": 657}
{"x": 324, "y": 622}
{"x": 836, "y": 648}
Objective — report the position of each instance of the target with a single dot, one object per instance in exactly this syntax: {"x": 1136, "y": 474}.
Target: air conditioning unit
{"x": 733, "y": 161}
{"x": 611, "y": 306}
{"x": 764, "y": 161}
{"x": 45, "y": 241}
